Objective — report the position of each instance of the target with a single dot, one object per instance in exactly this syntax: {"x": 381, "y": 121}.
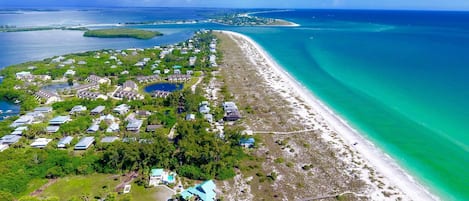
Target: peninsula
{"x": 122, "y": 33}
{"x": 241, "y": 128}
{"x": 6, "y": 28}
{"x": 247, "y": 19}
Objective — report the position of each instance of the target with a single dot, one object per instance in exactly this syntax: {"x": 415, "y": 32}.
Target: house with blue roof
{"x": 59, "y": 120}
{"x": 204, "y": 191}
{"x": 247, "y": 142}
{"x": 64, "y": 142}
{"x": 84, "y": 143}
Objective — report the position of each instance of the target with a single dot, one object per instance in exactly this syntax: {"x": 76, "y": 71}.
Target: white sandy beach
{"x": 315, "y": 115}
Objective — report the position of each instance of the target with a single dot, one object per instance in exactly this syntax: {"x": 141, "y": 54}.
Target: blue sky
{"x": 338, "y": 4}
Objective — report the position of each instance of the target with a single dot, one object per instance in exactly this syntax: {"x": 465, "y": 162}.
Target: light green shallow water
{"x": 405, "y": 93}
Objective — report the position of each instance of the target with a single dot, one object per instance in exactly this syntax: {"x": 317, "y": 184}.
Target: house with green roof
{"x": 204, "y": 191}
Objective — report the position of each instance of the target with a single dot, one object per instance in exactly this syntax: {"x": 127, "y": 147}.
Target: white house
{"x": 64, "y": 142}
{"x": 156, "y": 176}
{"x": 122, "y": 109}
{"x": 23, "y": 120}
{"x": 98, "y": 80}
{"x": 49, "y": 97}
{"x": 78, "y": 109}
{"x": 23, "y": 75}
{"x": 69, "y": 72}
{"x": 40, "y": 142}
{"x": 84, "y": 143}
{"x": 114, "y": 127}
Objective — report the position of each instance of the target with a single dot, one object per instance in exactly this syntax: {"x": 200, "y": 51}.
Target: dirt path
{"x": 126, "y": 180}
{"x": 43, "y": 187}
{"x": 283, "y": 133}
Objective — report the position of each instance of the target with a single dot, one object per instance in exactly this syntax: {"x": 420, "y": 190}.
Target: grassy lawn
{"x": 97, "y": 185}
{"x": 33, "y": 185}
{"x": 92, "y": 185}
{"x": 155, "y": 193}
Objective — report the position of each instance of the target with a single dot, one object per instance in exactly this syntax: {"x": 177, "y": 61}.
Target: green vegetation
{"x": 194, "y": 152}
{"x": 92, "y": 186}
{"x": 122, "y": 33}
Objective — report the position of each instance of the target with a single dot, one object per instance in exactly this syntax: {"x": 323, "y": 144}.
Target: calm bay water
{"x": 398, "y": 77}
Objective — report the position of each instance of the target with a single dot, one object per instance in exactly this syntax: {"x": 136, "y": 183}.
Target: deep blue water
{"x": 163, "y": 87}
{"x": 399, "y": 77}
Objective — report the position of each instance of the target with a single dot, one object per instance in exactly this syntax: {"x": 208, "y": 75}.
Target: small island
{"x": 122, "y": 33}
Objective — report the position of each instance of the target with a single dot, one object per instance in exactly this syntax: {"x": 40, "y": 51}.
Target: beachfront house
{"x": 40, "y": 142}
{"x": 247, "y": 142}
{"x": 204, "y": 191}
{"x": 231, "y": 111}
{"x": 84, "y": 143}
{"x": 64, "y": 142}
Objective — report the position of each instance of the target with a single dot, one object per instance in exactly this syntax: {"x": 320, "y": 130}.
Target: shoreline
{"x": 374, "y": 156}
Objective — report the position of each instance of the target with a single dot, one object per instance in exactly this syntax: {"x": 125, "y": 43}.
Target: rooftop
{"x": 84, "y": 142}
{"x": 205, "y": 191}
{"x": 156, "y": 172}
{"x": 109, "y": 139}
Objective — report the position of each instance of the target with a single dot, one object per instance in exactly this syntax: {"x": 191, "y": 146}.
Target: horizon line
{"x": 234, "y": 8}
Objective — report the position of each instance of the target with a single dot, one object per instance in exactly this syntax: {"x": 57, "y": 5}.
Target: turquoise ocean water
{"x": 399, "y": 77}
{"x": 402, "y": 82}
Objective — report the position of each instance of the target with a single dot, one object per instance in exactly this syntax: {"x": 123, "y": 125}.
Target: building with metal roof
{"x": 84, "y": 143}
